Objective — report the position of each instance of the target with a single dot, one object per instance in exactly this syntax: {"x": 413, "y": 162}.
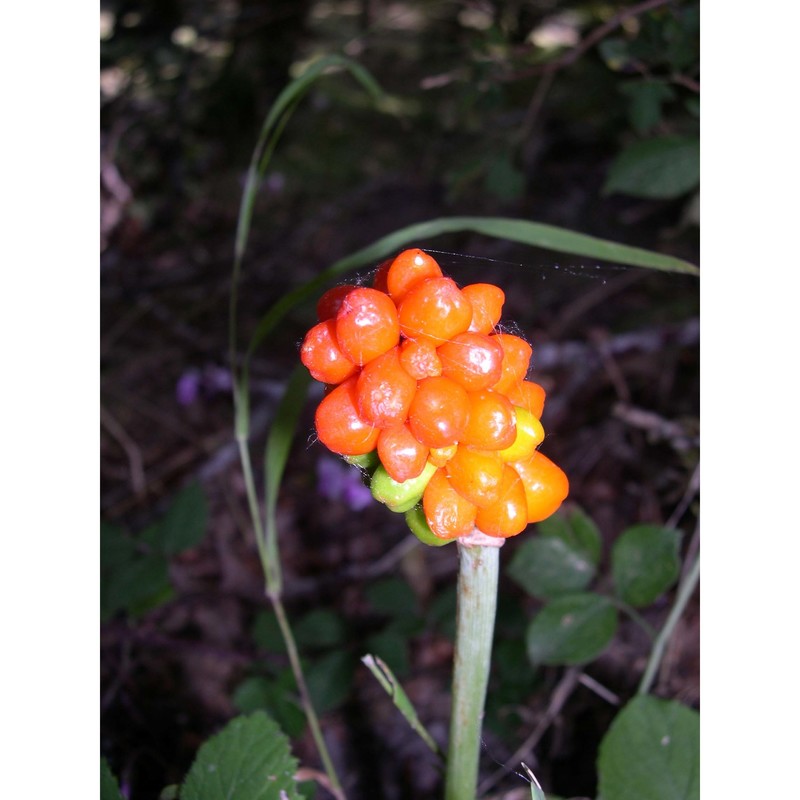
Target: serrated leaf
{"x": 184, "y": 524}
{"x": 572, "y": 629}
{"x": 248, "y": 760}
{"x": 645, "y": 562}
{"x": 109, "y": 788}
{"x": 320, "y": 628}
{"x": 658, "y": 169}
{"x": 651, "y": 752}
{"x": 562, "y": 559}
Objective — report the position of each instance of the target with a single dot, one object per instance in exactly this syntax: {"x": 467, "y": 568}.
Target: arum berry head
{"x": 433, "y": 401}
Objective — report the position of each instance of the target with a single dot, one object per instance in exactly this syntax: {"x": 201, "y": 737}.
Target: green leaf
{"x": 645, "y": 562}
{"x": 504, "y": 180}
{"x": 136, "y": 586}
{"x": 109, "y": 788}
{"x": 645, "y": 100}
{"x": 116, "y": 547}
{"x": 248, "y": 760}
{"x": 562, "y": 559}
{"x": 329, "y": 680}
{"x": 266, "y": 632}
{"x": 393, "y": 597}
{"x": 614, "y": 53}
{"x": 184, "y": 525}
{"x": 392, "y": 647}
{"x": 320, "y": 628}
{"x": 659, "y": 169}
{"x": 651, "y": 752}
{"x": 276, "y": 697}
{"x": 392, "y": 687}
{"x": 276, "y": 454}
{"x": 572, "y": 629}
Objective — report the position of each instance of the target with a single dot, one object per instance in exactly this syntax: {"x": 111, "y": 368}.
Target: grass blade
{"x": 392, "y": 687}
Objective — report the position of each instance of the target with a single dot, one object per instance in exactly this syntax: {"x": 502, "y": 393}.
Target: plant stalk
{"x": 478, "y": 561}
{"x": 685, "y": 591}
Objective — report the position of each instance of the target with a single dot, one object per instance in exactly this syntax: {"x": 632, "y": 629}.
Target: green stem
{"x": 477, "y": 603}
{"x": 685, "y": 591}
{"x": 305, "y": 697}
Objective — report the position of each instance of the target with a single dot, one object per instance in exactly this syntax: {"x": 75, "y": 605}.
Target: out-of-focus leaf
{"x": 116, "y": 547}
{"x": 392, "y": 647}
{"x": 320, "y": 628}
{"x": 614, "y": 52}
{"x": 659, "y": 169}
{"x": 572, "y": 629}
{"x": 645, "y": 562}
{"x": 645, "y": 100}
{"x": 392, "y": 596}
{"x": 329, "y": 680}
{"x": 248, "y": 760}
{"x": 109, "y": 788}
{"x": 651, "y": 752}
{"x": 504, "y": 180}
{"x": 184, "y": 524}
{"x": 266, "y": 632}
{"x": 136, "y": 586}
{"x": 562, "y": 559}
{"x": 276, "y": 697}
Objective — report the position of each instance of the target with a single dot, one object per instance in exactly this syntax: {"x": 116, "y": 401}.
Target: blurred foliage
{"x": 480, "y": 94}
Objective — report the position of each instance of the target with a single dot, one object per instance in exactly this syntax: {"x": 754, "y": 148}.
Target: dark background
{"x": 473, "y": 124}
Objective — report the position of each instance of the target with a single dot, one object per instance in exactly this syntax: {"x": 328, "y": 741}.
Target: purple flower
{"x": 188, "y": 387}
{"x": 342, "y": 483}
{"x": 209, "y": 381}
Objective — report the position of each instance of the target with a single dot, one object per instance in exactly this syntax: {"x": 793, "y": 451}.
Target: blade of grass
{"x": 281, "y": 434}
{"x": 534, "y": 234}
{"x": 392, "y": 687}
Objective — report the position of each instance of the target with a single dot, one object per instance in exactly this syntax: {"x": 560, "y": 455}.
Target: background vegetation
{"x": 583, "y": 115}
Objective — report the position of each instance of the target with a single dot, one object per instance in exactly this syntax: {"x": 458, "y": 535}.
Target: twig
{"x": 132, "y": 451}
{"x": 548, "y": 71}
{"x": 560, "y": 695}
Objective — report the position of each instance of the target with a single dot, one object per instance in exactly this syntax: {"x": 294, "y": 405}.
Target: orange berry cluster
{"x": 425, "y": 392}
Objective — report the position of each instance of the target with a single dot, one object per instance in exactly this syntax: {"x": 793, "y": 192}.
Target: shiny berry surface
{"x": 476, "y": 475}
{"x": 487, "y": 306}
{"x": 448, "y": 514}
{"x": 546, "y": 486}
{"x": 385, "y": 390}
{"x": 439, "y": 412}
{"x": 322, "y": 356}
{"x": 516, "y": 360}
{"x": 339, "y": 426}
{"x": 366, "y": 325}
{"x": 408, "y": 270}
{"x": 491, "y": 421}
{"x": 403, "y": 455}
{"x": 473, "y": 360}
{"x": 508, "y": 514}
{"x": 435, "y": 310}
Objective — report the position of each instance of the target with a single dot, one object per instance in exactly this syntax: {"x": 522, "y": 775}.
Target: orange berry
{"x": 448, "y": 514}
{"x": 472, "y": 359}
{"x": 530, "y": 434}
{"x": 439, "y": 411}
{"x": 435, "y": 310}
{"x": 487, "y": 306}
{"x": 401, "y": 454}
{"x": 366, "y": 325}
{"x": 339, "y": 426}
{"x": 407, "y": 270}
{"x": 528, "y": 395}
{"x": 441, "y": 455}
{"x": 420, "y": 359}
{"x": 491, "y": 423}
{"x": 516, "y": 360}
{"x": 379, "y": 281}
{"x": 323, "y": 358}
{"x": 508, "y": 514}
{"x": 546, "y": 486}
{"x": 385, "y": 391}
{"x": 329, "y": 304}
{"x": 475, "y": 475}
